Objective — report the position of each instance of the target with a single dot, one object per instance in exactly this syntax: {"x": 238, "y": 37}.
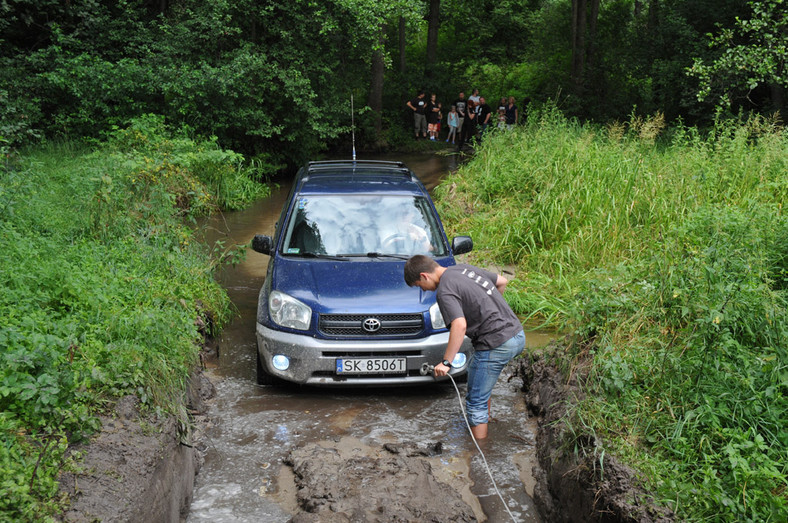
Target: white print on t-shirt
{"x": 478, "y": 279}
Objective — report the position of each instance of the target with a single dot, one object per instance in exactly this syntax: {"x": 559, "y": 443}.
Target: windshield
{"x": 362, "y": 224}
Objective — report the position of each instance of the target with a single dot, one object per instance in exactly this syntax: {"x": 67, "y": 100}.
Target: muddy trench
{"x": 262, "y": 442}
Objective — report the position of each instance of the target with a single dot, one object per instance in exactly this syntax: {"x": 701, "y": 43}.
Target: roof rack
{"x": 366, "y": 167}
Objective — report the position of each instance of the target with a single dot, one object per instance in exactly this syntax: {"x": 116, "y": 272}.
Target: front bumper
{"x": 313, "y": 361}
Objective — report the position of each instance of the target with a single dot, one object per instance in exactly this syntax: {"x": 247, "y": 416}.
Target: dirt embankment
{"x": 142, "y": 469}
{"x": 138, "y": 467}
{"x": 575, "y": 481}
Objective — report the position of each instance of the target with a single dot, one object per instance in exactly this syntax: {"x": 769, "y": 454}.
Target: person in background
{"x": 462, "y": 105}
{"x": 419, "y": 105}
{"x": 469, "y": 126}
{"x": 453, "y": 121}
{"x": 485, "y": 114}
{"x": 433, "y": 116}
{"x": 511, "y": 114}
{"x": 475, "y": 98}
{"x": 472, "y": 304}
{"x": 502, "y": 118}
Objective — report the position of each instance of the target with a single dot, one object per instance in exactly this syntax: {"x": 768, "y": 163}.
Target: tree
{"x": 752, "y": 55}
{"x": 433, "y": 25}
{"x": 584, "y": 20}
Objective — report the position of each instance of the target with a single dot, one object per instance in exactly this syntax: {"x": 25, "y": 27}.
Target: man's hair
{"x": 416, "y": 265}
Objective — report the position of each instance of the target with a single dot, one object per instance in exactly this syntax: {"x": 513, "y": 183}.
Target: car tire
{"x": 263, "y": 378}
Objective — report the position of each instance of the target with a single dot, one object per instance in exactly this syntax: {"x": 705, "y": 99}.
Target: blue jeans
{"x": 483, "y": 372}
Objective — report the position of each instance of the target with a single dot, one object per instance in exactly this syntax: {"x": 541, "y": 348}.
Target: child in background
{"x": 454, "y": 122}
{"x": 501, "y": 118}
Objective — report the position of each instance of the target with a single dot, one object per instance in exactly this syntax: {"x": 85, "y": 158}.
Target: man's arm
{"x": 456, "y": 337}
{"x": 500, "y": 283}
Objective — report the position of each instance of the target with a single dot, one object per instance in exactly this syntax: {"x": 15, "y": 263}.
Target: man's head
{"x": 462, "y": 95}
{"x": 421, "y": 94}
{"x": 422, "y": 271}
{"x": 481, "y": 100}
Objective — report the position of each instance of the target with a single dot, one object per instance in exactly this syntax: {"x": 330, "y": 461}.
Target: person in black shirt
{"x": 469, "y": 126}
{"x": 419, "y": 106}
{"x": 485, "y": 113}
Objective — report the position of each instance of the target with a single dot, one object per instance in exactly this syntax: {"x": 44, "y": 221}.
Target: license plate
{"x": 371, "y": 366}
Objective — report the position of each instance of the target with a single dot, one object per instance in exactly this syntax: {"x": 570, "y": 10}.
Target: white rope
{"x": 486, "y": 466}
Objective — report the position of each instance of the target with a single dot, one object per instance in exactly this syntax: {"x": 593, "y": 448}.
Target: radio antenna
{"x": 353, "y": 126}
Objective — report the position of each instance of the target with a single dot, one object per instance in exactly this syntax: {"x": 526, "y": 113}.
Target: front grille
{"x": 351, "y": 325}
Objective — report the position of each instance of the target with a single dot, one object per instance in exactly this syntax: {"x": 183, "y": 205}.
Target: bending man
{"x": 471, "y": 302}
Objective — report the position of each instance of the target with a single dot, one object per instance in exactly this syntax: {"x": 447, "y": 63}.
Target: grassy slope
{"x": 666, "y": 257}
{"x": 101, "y": 290}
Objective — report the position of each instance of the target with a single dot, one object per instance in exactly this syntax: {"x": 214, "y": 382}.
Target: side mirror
{"x": 262, "y": 244}
{"x": 461, "y": 245}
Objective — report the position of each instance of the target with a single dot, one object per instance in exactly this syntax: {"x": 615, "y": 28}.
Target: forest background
{"x": 651, "y": 217}
{"x": 263, "y": 76}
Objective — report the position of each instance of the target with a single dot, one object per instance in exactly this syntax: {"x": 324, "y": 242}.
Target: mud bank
{"x": 138, "y": 467}
{"x": 572, "y": 484}
{"x": 347, "y": 483}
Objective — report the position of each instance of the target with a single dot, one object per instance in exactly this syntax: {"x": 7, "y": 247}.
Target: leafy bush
{"x": 102, "y": 290}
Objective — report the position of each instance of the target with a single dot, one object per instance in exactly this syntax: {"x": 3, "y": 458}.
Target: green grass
{"x": 664, "y": 254}
{"x": 101, "y": 290}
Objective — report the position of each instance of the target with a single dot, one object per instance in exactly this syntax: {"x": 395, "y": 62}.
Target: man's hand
{"x": 440, "y": 370}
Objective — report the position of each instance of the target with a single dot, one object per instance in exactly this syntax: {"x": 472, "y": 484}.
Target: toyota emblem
{"x": 371, "y": 325}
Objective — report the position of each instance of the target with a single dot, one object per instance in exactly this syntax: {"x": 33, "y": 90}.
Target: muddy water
{"x": 252, "y": 428}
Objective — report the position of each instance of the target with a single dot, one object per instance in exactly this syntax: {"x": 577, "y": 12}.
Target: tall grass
{"x": 664, "y": 253}
{"x": 559, "y": 199}
{"x": 102, "y": 291}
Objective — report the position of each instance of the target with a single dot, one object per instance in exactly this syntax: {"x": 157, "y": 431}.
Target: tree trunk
{"x": 591, "y": 40}
{"x": 375, "y": 100}
{"x": 578, "y": 44}
{"x": 402, "y": 44}
{"x": 433, "y": 19}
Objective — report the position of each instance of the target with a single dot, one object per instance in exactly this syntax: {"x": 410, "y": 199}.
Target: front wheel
{"x": 263, "y": 378}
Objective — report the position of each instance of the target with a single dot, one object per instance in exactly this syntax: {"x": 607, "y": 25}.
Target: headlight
{"x": 288, "y": 311}
{"x": 436, "y": 317}
{"x": 459, "y": 360}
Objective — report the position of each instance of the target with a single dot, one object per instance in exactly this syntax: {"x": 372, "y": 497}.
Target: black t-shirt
{"x": 484, "y": 111}
{"x": 420, "y": 104}
{"x": 432, "y": 115}
{"x": 511, "y": 113}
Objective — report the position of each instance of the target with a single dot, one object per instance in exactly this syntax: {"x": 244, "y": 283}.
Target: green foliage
{"x": 102, "y": 290}
{"x": 663, "y": 253}
{"x": 753, "y": 53}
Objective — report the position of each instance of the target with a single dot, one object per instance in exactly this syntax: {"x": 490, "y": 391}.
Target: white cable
{"x": 489, "y": 472}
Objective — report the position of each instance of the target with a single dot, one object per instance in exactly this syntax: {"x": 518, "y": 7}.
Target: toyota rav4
{"x": 334, "y": 308}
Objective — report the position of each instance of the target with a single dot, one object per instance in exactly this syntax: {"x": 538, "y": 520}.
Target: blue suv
{"x": 334, "y": 309}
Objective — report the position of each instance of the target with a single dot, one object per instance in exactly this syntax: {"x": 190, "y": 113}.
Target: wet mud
{"x": 341, "y": 482}
{"x": 137, "y": 467}
{"x": 574, "y": 480}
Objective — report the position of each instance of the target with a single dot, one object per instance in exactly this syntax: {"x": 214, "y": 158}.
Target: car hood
{"x": 354, "y": 286}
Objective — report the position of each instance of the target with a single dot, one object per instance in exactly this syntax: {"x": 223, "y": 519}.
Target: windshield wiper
{"x": 322, "y": 256}
{"x": 387, "y": 255}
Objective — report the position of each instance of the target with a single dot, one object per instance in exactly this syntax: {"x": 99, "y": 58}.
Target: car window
{"x": 362, "y": 224}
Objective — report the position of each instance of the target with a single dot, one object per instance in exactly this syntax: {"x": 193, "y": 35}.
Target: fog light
{"x": 459, "y": 360}
{"x": 280, "y": 362}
